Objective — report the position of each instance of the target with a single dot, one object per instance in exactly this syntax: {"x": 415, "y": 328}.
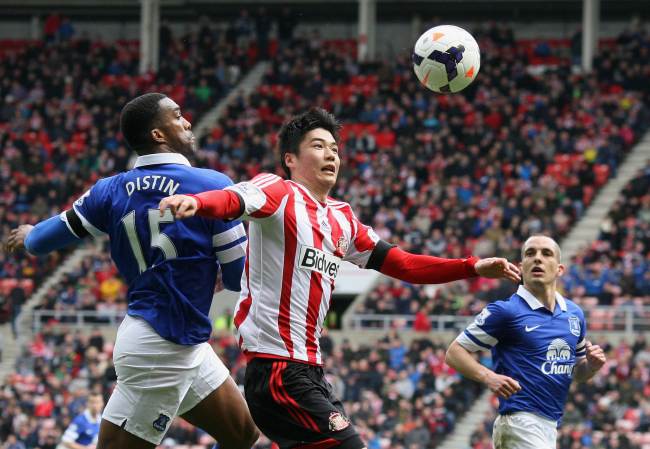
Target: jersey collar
{"x": 90, "y": 418}
{"x": 534, "y": 303}
{"x": 161, "y": 158}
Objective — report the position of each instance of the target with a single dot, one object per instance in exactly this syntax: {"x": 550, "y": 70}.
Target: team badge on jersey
{"x": 574, "y": 325}
{"x": 481, "y": 317}
{"x": 338, "y": 422}
{"x": 342, "y": 246}
{"x": 160, "y": 424}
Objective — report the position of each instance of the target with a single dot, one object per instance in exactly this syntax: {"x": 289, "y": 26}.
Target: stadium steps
{"x": 11, "y": 347}
{"x": 245, "y": 87}
{"x": 459, "y": 438}
{"x": 580, "y": 236}
{"x": 588, "y": 227}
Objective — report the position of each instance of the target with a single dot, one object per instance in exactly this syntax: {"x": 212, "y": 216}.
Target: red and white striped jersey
{"x": 295, "y": 246}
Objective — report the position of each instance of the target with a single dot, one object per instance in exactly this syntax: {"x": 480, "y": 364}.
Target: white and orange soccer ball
{"x": 446, "y": 59}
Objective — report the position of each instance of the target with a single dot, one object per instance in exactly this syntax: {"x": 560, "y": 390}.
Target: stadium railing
{"x": 629, "y": 320}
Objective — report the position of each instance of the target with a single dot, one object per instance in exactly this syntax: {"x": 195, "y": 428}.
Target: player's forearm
{"x": 583, "y": 371}
{"x": 49, "y": 235}
{"x": 464, "y": 362}
{"x": 223, "y": 204}
{"x": 421, "y": 269}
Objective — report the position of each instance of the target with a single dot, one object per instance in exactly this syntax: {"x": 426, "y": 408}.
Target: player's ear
{"x": 290, "y": 159}
{"x": 561, "y": 269}
{"x": 158, "y": 136}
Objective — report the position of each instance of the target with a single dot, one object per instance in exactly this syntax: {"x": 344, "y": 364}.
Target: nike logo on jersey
{"x": 314, "y": 259}
{"x": 532, "y": 328}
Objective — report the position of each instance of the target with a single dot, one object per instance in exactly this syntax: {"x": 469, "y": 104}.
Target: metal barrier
{"x": 78, "y": 319}
{"x": 627, "y": 319}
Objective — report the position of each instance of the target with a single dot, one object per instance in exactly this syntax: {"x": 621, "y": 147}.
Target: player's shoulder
{"x": 336, "y": 204}
{"x": 508, "y": 306}
{"x": 209, "y": 179}
{"x": 263, "y": 180}
{"x": 573, "y": 307}
{"x": 80, "y": 420}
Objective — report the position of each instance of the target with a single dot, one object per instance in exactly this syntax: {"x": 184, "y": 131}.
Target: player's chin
{"x": 328, "y": 178}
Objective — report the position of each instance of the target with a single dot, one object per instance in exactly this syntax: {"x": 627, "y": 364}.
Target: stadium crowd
{"x": 610, "y": 412}
{"x": 59, "y": 119}
{"x": 614, "y": 268}
{"x": 398, "y": 395}
{"x": 443, "y": 175}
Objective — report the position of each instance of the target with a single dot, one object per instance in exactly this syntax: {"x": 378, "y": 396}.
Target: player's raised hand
{"x": 181, "y": 206}
{"x": 497, "y": 267}
{"x": 595, "y": 356}
{"x": 16, "y": 240}
{"x": 503, "y": 386}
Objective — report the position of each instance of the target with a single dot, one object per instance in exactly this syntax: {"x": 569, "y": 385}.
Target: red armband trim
{"x": 219, "y": 204}
{"x": 421, "y": 269}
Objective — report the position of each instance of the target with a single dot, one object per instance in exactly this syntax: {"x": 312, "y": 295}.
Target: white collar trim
{"x": 90, "y": 418}
{"x": 534, "y": 303}
{"x": 161, "y": 158}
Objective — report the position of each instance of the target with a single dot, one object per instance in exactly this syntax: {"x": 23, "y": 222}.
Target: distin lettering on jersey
{"x": 152, "y": 182}
{"x": 557, "y": 368}
{"x": 314, "y": 259}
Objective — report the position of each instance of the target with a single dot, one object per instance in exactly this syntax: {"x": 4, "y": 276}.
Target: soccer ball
{"x": 446, "y": 59}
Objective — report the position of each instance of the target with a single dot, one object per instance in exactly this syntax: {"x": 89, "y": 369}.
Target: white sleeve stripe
{"x": 65, "y": 220}
{"x": 266, "y": 184}
{"x": 229, "y": 236}
{"x": 262, "y": 178}
{"x": 481, "y": 335}
{"x": 581, "y": 345}
{"x": 467, "y": 343}
{"x": 88, "y": 225}
{"x": 232, "y": 254}
{"x": 263, "y": 181}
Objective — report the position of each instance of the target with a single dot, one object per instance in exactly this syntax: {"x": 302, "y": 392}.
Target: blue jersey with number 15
{"x": 170, "y": 265}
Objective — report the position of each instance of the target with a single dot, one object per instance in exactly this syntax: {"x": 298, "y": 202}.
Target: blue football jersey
{"x": 83, "y": 429}
{"x": 536, "y": 347}
{"x": 170, "y": 265}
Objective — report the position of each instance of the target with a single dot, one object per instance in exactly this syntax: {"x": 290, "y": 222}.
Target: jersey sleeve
{"x": 89, "y": 213}
{"x": 364, "y": 240}
{"x": 486, "y": 329}
{"x": 73, "y": 431}
{"x": 229, "y": 241}
{"x": 262, "y": 196}
{"x": 581, "y": 346}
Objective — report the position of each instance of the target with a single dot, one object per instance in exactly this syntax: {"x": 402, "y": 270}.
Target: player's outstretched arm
{"x": 181, "y": 206}
{"x": 222, "y": 204}
{"x": 587, "y": 368}
{"x": 421, "y": 269}
{"x": 47, "y": 236}
{"x": 462, "y": 361}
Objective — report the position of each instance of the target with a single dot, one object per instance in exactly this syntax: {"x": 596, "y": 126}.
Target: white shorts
{"x": 523, "y": 430}
{"x": 158, "y": 380}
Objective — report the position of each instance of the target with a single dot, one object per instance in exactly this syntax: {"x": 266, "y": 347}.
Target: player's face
{"x": 317, "y": 162}
{"x": 95, "y": 404}
{"x": 540, "y": 262}
{"x": 176, "y": 130}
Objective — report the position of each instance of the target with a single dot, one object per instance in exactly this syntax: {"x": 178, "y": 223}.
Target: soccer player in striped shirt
{"x": 298, "y": 236}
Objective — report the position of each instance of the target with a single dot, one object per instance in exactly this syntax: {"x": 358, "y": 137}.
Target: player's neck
{"x": 545, "y": 293}
{"x": 318, "y": 192}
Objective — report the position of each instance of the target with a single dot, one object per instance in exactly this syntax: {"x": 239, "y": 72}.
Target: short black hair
{"x": 293, "y": 131}
{"x": 138, "y": 118}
